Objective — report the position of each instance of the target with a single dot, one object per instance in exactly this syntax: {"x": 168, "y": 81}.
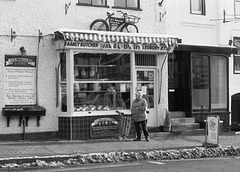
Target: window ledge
{"x": 128, "y": 8}
{"x": 89, "y": 5}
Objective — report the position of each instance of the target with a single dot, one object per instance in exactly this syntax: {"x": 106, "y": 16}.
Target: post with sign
{"x": 212, "y": 131}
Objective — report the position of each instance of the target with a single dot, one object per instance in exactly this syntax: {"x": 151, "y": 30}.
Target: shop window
{"x": 63, "y": 83}
{"x": 93, "y": 2}
{"x": 200, "y": 82}
{"x": 173, "y": 72}
{"x": 145, "y": 83}
{"x": 218, "y": 82}
{"x": 102, "y": 82}
{"x": 127, "y": 3}
{"x": 236, "y": 60}
{"x": 198, "y": 7}
{"x": 209, "y": 82}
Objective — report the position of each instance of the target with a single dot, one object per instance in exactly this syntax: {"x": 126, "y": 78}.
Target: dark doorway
{"x": 235, "y": 109}
{"x": 179, "y": 98}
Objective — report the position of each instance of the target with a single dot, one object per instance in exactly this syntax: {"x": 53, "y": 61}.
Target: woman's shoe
{"x": 147, "y": 139}
{"x": 136, "y": 139}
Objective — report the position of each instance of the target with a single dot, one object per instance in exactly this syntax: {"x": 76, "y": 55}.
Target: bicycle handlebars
{"x": 120, "y": 11}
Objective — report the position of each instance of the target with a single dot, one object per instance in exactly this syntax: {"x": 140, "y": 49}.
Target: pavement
{"x": 158, "y": 141}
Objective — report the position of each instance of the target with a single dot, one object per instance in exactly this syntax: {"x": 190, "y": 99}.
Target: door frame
{"x": 152, "y": 113}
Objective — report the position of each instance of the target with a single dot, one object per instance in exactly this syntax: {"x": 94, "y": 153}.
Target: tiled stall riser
{"x": 80, "y": 129}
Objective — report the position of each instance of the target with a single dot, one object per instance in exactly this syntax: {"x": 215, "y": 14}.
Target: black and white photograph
{"x": 120, "y": 85}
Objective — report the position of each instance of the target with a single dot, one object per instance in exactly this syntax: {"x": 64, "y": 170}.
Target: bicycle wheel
{"x": 99, "y": 24}
{"x": 131, "y": 28}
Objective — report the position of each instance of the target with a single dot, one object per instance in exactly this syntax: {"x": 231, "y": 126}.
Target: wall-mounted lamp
{"x": 40, "y": 36}
{"x": 160, "y": 3}
{"x": 13, "y": 34}
{"x": 67, "y": 7}
{"x": 23, "y": 51}
{"x": 161, "y": 15}
{"x": 230, "y": 42}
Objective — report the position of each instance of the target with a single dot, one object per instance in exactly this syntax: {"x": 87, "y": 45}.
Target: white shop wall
{"x": 46, "y": 16}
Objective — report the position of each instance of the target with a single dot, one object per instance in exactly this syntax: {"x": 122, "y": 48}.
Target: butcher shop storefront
{"x": 98, "y": 74}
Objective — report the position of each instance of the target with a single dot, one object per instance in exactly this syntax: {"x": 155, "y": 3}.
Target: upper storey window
{"x": 93, "y": 2}
{"x": 236, "y": 59}
{"x": 198, "y": 7}
{"x": 127, "y": 3}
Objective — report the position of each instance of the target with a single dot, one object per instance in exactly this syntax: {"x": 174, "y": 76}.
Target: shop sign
{"x": 118, "y": 46}
{"x": 103, "y": 127}
{"x": 212, "y": 130}
{"x": 20, "y": 80}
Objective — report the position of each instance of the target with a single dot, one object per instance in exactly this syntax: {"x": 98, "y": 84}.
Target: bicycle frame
{"x": 112, "y": 23}
{"x": 115, "y": 23}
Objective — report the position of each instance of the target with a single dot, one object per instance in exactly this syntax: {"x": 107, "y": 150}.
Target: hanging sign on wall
{"x": 20, "y": 80}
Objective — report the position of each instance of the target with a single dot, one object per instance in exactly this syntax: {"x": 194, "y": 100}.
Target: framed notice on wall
{"x": 20, "y": 80}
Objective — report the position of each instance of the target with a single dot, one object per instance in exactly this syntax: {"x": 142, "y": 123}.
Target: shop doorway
{"x": 146, "y": 82}
{"x": 235, "y": 109}
{"x": 179, "y": 79}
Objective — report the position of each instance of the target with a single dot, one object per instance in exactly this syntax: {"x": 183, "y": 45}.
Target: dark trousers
{"x": 138, "y": 128}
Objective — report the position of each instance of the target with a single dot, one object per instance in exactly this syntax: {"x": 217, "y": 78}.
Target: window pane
{"x": 218, "y": 82}
{"x": 85, "y": 1}
{"x": 95, "y": 88}
{"x": 104, "y": 67}
{"x": 197, "y": 6}
{"x": 64, "y": 97}
{"x": 200, "y": 79}
{"x": 236, "y": 64}
{"x": 101, "y": 96}
{"x": 98, "y": 2}
{"x": 63, "y": 66}
{"x": 132, "y": 3}
{"x": 126, "y": 3}
{"x": 120, "y": 3}
{"x": 236, "y": 61}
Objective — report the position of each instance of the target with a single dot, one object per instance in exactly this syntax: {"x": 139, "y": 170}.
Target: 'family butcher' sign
{"x": 20, "y": 80}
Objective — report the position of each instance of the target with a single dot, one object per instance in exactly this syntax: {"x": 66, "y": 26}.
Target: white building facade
{"x": 207, "y": 29}
{"x": 80, "y": 78}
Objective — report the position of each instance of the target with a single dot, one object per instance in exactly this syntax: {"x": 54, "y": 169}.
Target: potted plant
{"x": 167, "y": 124}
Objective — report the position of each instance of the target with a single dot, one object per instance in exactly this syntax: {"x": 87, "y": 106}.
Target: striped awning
{"x": 115, "y": 37}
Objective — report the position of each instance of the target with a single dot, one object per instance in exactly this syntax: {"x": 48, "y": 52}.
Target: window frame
{"x": 203, "y": 8}
{"x": 100, "y": 82}
{"x": 91, "y": 4}
{"x": 236, "y": 56}
{"x": 236, "y": 9}
{"x": 210, "y": 82}
{"x": 126, "y": 7}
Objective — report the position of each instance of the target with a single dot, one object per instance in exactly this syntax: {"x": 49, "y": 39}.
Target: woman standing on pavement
{"x": 139, "y": 107}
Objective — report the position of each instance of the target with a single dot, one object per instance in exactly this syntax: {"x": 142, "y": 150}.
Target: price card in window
{"x": 144, "y": 90}
{"x": 122, "y": 87}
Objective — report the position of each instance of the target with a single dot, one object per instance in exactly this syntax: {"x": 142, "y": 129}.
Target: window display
{"x": 101, "y": 96}
{"x": 102, "y": 82}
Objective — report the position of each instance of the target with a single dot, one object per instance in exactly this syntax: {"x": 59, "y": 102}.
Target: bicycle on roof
{"x": 126, "y": 23}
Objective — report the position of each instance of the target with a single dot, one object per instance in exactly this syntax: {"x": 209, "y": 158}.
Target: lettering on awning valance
{"x": 116, "y": 40}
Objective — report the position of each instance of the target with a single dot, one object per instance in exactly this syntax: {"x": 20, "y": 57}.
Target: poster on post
{"x": 20, "y": 80}
{"x": 212, "y": 131}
